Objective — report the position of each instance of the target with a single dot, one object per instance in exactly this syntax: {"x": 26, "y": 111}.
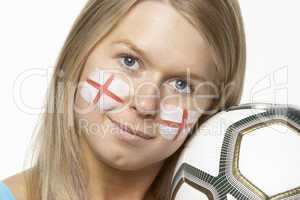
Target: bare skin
{"x": 16, "y": 183}
{"x": 119, "y": 171}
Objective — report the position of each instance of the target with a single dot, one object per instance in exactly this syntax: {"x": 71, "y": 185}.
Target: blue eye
{"x": 181, "y": 86}
{"x": 130, "y": 62}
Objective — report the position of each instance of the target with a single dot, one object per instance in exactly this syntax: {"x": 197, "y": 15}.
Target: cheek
{"x": 90, "y": 123}
{"x": 86, "y": 114}
{"x": 104, "y": 89}
{"x": 205, "y": 94}
{"x": 175, "y": 121}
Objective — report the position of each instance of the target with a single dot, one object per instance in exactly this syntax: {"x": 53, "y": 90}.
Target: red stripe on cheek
{"x": 104, "y": 89}
{"x": 173, "y": 124}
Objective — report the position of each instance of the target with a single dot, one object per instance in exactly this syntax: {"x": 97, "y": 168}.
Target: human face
{"x": 151, "y": 51}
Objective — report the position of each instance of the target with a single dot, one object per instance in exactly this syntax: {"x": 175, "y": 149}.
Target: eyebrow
{"x": 129, "y": 44}
{"x": 133, "y": 47}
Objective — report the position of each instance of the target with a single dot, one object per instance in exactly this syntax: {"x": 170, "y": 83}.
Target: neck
{"x": 106, "y": 182}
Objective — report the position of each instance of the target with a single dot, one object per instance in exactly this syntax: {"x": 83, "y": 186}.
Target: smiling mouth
{"x": 130, "y": 130}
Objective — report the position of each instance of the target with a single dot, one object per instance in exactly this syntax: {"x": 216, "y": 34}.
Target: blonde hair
{"x": 58, "y": 169}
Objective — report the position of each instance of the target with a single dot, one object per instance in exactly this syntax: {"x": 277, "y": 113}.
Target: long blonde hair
{"x": 57, "y": 167}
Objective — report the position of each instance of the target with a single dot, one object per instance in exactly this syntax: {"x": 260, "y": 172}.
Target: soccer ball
{"x": 250, "y": 151}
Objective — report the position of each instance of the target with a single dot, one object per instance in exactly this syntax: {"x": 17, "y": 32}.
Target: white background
{"x": 32, "y": 33}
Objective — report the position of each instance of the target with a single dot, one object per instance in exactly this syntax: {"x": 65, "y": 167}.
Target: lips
{"x": 131, "y": 131}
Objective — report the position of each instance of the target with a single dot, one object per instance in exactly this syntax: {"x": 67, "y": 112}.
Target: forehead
{"x": 168, "y": 39}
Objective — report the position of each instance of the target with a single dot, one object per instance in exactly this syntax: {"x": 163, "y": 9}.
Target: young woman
{"x": 107, "y": 133}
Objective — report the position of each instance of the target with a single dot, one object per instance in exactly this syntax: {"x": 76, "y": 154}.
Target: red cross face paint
{"x": 104, "y": 89}
{"x": 175, "y": 120}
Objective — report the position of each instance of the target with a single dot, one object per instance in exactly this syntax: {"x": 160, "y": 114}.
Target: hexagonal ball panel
{"x": 269, "y": 158}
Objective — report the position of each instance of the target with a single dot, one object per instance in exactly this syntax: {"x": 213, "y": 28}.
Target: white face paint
{"x": 175, "y": 120}
{"x": 104, "y": 89}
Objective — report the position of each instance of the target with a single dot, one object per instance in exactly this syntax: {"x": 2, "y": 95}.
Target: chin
{"x": 115, "y": 155}
{"x": 126, "y": 166}
{"x": 125, "y": 162}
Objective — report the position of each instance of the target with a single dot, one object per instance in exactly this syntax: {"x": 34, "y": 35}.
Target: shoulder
{"x": 17, "y": 185}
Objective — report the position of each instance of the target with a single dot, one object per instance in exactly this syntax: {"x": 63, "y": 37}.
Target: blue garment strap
{"x": 5, "y": 192}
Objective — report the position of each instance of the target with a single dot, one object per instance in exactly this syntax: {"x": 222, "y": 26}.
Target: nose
{"x": 146, "y": 98}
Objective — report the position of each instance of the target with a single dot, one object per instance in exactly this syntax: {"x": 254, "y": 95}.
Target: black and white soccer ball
{"x": 250, "y": 151}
